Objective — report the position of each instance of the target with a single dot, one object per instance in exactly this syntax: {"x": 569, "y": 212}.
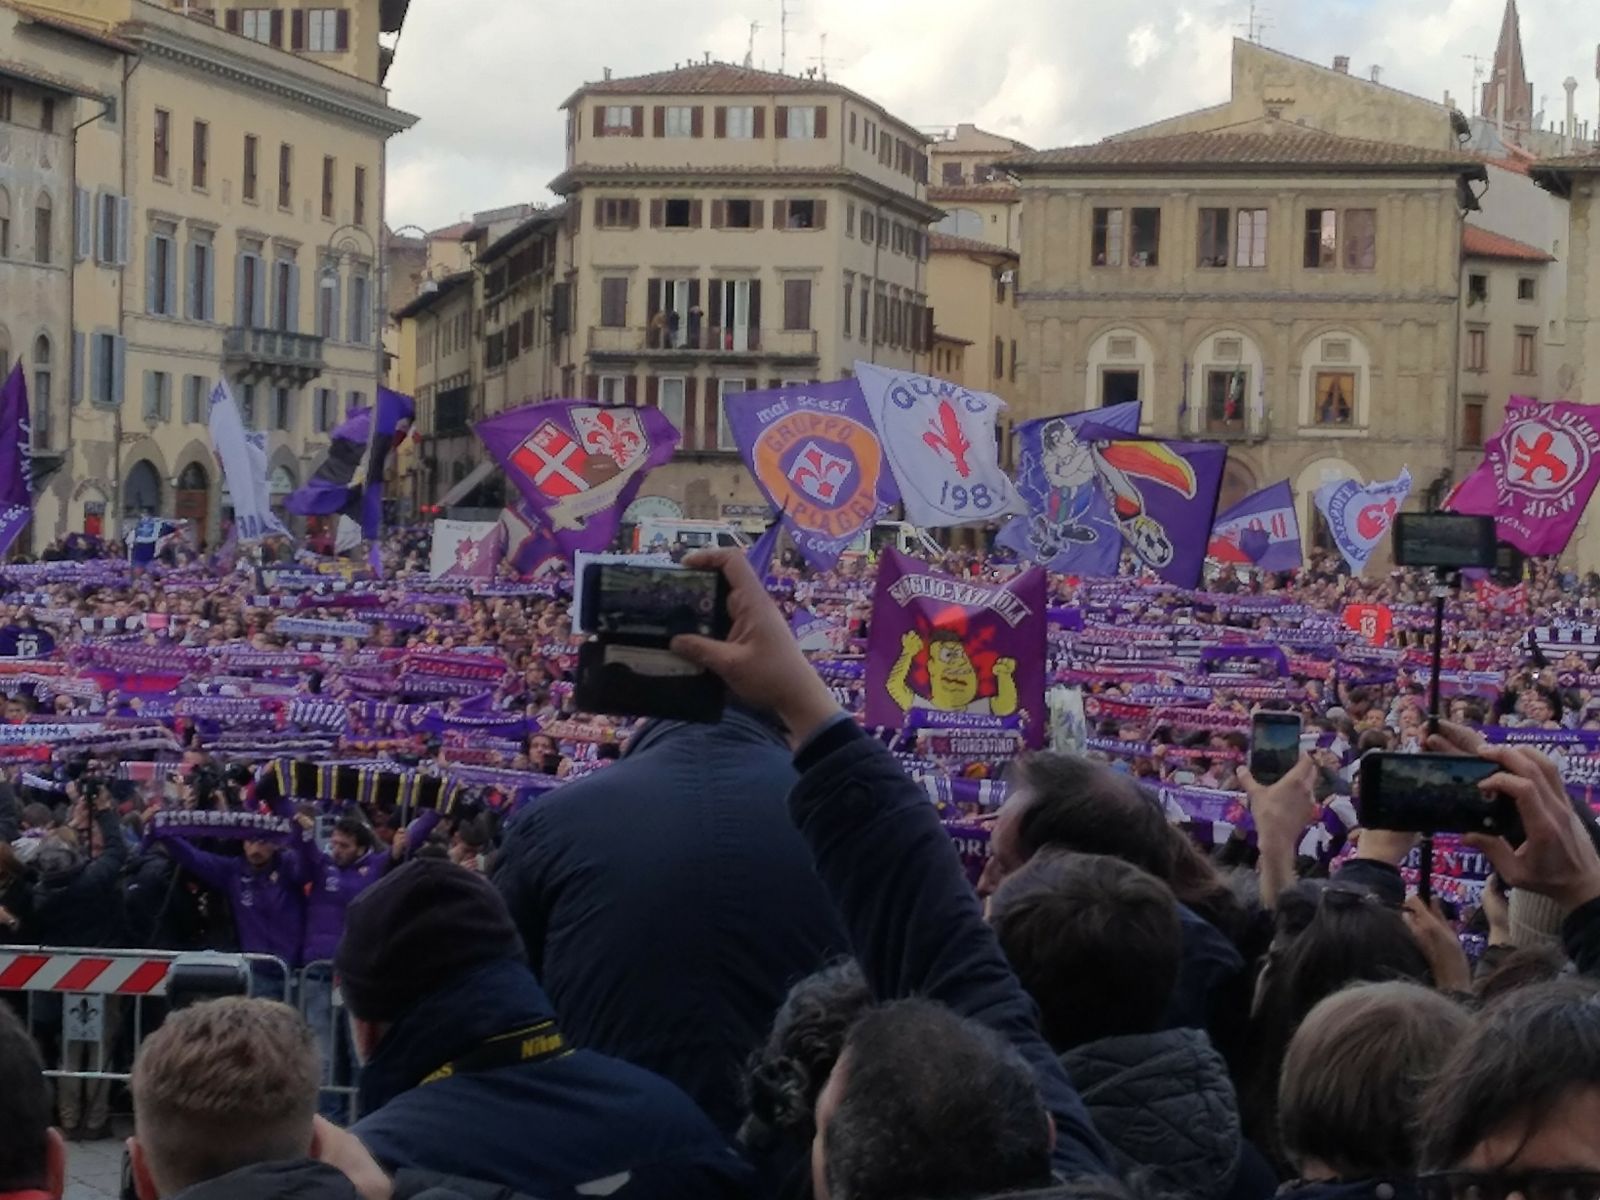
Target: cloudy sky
{"x": 1050, "y": 72}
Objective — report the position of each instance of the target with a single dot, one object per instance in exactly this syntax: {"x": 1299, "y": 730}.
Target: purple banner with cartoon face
{"x": 955, "y": 646}
{"x": 815, "y": 455}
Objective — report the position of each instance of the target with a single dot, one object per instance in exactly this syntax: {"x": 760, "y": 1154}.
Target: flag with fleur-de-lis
{"x": 816, "y": 456}
{"x": 579, "y": 464}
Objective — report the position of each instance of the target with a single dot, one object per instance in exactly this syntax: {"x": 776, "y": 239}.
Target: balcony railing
{"x": 707, "y": 341}
{"x": 273, "y": 356}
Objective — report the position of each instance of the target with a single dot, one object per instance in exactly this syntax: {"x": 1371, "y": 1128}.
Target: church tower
{"x": 1508, "y": 96}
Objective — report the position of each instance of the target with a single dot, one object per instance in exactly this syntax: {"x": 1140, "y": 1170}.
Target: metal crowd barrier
{"x": 77, "y": 1001}
{"x": 332, "y": 1033}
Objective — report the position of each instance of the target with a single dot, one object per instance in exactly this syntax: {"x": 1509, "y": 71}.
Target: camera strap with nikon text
{"x": 533, "y": 1044}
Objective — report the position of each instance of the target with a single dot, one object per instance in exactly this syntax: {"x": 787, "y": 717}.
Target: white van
{"x": 902, "y": 535}
{"x": 664, "y": 533}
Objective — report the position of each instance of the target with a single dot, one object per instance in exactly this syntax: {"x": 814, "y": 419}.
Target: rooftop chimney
{"x": 1571, "y": 127}
{"x": 607, "y": 72}
{"x": 1377, "y": 73}
{"x": 1341, "y": 63}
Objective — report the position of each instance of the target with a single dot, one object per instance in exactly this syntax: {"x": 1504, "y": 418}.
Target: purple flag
{"x": 579, "y": 464}
{"x": 1262, "y": 530}
{"x": 391, "y": 421}
{"x": 815, "y": 454}
{"x": 954, "y": 646}
{"x": 1070, "y": 527}
{"x": 16, "y": 470}
{"x": 529, "y": 543}
{"x": 1537, "y": 476}
{"x": 1163, "y": 497}
{"x": 760, "y": 555}
{"x": 331, "y": 488}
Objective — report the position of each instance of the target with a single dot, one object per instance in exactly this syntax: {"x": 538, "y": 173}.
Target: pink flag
{"x": 1537, "y": 476}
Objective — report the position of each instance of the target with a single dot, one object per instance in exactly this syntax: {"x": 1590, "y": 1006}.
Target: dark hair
{"x": 784, "y": 1077}
{"x": 355, "y": 827}
{"x": 933, "y": 1107}
{"x": 1518, "y": 1062}
{"x": 1349, "y": 936}
{"x": 1523, "y": 967}
{"x": 1095, "y": 941}
{"x": 1354, "y": 1073}
{"x": 24, "y": 1109}
{"x": 1087, "y": 807}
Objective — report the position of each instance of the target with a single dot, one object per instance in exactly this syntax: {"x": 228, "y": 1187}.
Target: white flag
{"x": 465, "y": 548}
{"x": 347, "y": 535}
{"x": 245, "y": 482}
{"x": 940, "y": 441}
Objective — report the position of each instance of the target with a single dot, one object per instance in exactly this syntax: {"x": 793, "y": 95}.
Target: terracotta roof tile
{"x": 1485, "y": 243}
{"x": 948, "y": 243}
{"x": 1292, "y": 149}
{"x": 1570, "y": 162}
{"x": 994, "y": 193}
{"x": 712, "y": 79}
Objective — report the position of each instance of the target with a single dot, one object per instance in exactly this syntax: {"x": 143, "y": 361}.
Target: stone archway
{"x": 141, "y": 490}
{"x": 191, "y": 500}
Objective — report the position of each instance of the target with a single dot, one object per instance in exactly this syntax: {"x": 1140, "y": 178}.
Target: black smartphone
{"x": 1434, "y": 793}
{"x": 1274, "y": 745}
{"x": 627, "y": 680}
{"x": 1450, "y": 540}
{"x": 650, "y": 605}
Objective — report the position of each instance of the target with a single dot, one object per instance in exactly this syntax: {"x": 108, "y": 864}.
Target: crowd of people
{"x": 499, "y": 947}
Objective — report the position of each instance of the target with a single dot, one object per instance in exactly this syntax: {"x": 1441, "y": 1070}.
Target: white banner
{"x": 453, "y": 538}
{"x": 245, "y": 482}
{"x": 940, "y": 441}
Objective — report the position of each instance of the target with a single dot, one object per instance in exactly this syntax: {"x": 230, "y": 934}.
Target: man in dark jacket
{"x": 674, "y": 875}
{"x": 1098, "y": 943}
{"x": 916, "y": 930}
{"x": 467, "y": 1072}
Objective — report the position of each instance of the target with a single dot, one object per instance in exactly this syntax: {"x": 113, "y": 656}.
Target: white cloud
{"x": 1050, "y": 72}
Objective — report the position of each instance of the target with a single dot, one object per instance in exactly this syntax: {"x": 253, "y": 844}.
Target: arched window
{"x": 41, "y": 390}
{"x": 43, "y": 228}
{"x": 193, "y": 479}
{"x": 5, "y": 223}
{"x": 141, "y": 494}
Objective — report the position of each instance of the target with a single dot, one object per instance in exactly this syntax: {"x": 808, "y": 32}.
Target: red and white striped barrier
{"x": 100, "y": 974}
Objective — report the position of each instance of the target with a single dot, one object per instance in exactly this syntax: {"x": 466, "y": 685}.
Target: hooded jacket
{"x": 80, "y": 906}
{"x": 668, "y": 904}
{"x": 548, "y": 1127}
{"x": 1165, "y": 1103}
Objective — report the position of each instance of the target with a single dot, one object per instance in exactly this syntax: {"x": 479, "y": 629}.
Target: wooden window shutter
{"x": 690, "y": 388}
{"x": 599, "y": 212}
{"x": 599, "y": 120}
{"x": 652, "y": 392}
{"x": 297, "y": 29}
{"x": 755, "y": 314}
{"x": 230, "y": 20}
{"x": 822, "y": 124}
{"x": 758, "y": 212}
{"x": 658, "y": 122}
{"x": 657, "y": 207}
{"x": 652, "y": 298}
{"x": 696, "y": 214}
{"x": 694, "y": 294}
{"x": 760, "y": 126}
{"x": 780, "y": 121}
{"x": 575, "y": 218}
{"x": 819, "y": 210}
{"x": 591, "y": 387}
{"x": 780, "y": 214}
{"x": 630, "y": 391}
{"x": 719, "y": 214}
{"x": 638, "y": 120}
{"x": 719, "y": 121}
{"x": 277, "y": 27}
{"x": 697, "y": 122}
{"x": 633, "y": 214}
{"x": 342, "y": 32}
{"x": 708, "y": 415}
{"x": 716, "y": 304}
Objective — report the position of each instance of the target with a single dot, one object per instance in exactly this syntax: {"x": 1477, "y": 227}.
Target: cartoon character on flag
{"x": 943, "y": 665}
{"x": 1123, "y": 466}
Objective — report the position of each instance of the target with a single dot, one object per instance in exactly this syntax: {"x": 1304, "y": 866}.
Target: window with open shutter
{"x": 820, "y": 126}
{"x": 297, "y": 30}
{"x": 638, "y": 120}
{"x": 697, "y": 123}
{"x": 344, "y": 29}
{"x": 658, "y": 122}
{"x": 719, "y": 121}
{"x": 780, "y": 121}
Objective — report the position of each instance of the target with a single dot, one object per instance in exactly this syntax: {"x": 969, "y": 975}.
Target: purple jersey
{"x": 269, "y": 906}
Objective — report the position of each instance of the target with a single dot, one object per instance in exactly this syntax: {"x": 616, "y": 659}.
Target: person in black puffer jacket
{"x": 1099, "y": 944}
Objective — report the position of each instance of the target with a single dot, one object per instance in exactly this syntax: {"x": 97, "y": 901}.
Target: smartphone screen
{"x": 656, "y": 602}
{"x": 1432, "y": 793}
{"x": 1274, "y": 745}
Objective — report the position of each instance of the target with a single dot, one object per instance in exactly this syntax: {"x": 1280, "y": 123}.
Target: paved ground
{"x": 94, "y": 1169}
